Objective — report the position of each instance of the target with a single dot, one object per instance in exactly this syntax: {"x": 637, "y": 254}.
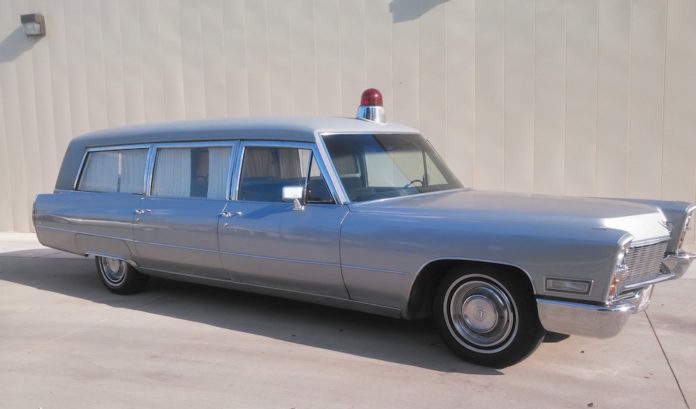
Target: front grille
{"x": 643, "y": 264}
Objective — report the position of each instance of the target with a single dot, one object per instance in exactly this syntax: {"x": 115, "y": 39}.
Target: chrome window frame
{"x": 152, "y": 158}
{"x": 81, "y": 169}
{"x": 312, "y": 147}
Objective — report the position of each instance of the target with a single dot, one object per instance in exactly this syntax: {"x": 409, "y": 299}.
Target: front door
{"x": 176, "y": 225}
{"x": 265, "y": 241}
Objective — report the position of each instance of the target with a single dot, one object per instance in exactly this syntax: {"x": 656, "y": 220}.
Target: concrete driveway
{"x": 66, "y": 342}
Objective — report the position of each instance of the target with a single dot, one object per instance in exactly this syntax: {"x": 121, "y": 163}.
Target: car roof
{"x": 292, "y": 129}
{"x": 300, "y": 129}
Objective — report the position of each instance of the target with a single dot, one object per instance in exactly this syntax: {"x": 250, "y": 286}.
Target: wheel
{"x": 487, "y": 315}
{"x": 120, "y": 277}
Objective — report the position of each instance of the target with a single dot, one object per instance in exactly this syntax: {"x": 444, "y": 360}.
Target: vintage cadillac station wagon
{"x": 361, "y": 214}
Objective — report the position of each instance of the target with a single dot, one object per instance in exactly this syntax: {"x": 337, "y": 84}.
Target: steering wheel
{"x": 412, "y": 182}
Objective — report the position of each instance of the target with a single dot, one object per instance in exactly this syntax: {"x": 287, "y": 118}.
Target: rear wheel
{"x": 487, "y": 315}
{"x": 120, "y": 277}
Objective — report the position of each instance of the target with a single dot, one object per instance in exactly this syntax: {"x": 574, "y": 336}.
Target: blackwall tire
{"x": 487, "y": 315}
{"x": 120, "y": 277}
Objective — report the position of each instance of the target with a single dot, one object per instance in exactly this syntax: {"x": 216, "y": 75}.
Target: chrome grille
{"x": 643, "y": 264}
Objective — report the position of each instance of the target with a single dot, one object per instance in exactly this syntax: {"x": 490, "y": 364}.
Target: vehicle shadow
{"x": 412, "y": 343}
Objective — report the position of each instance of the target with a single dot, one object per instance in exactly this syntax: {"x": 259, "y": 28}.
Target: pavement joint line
{"x": 669, "y": 364}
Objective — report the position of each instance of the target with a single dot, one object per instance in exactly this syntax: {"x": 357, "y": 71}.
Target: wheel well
{"x": 421, "y": 297}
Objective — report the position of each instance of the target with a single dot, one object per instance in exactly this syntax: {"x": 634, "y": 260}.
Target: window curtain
{"x": 133, "y": 170}
{"x": 101, "y": 172}
{"x": 218, "y": 167}
{"x": 304, "y": 161}
{"x": 259, "y": 162}
{"x": 289, "y": 163}
{"x": 172, "y": 176}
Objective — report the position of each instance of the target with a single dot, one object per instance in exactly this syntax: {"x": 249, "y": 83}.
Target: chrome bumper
{"x": 600, "y": 321}
{"x": 605, "y": 321}
{"x": 677, "y": 264}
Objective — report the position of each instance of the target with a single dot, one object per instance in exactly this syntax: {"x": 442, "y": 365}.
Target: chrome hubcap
{"x": 114, "y": 270}
{"x": 482, "y": 314}
{"x": 479, "y": 313}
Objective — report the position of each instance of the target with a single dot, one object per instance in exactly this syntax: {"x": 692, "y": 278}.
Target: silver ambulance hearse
{"x": 361, "y": 214}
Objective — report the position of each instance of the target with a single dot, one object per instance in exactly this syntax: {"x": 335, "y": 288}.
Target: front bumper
{"x": 677, "y": 264}
{"x": 605, "y": 321}
{"x": 600, "y": 321}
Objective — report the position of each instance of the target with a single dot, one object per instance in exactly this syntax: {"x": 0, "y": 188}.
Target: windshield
{"x": 377, "y": 166}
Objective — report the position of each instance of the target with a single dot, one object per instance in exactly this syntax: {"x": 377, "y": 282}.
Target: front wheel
{"x": 120, "y": 277}
{"x": 487, "y": 315}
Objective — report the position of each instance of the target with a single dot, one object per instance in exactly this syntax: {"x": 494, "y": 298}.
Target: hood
{"x": 644, "y": 222}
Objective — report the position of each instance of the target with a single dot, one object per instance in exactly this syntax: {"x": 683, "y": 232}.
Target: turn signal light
{"x": 613, "y": 286}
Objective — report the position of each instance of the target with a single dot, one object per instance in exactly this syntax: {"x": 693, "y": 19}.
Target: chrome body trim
{"x": 282, "y": 259}
{"x": 599, "y": 321}
{"x": 332, "y": 173}
{"x": 677, "y": 264}
{"x": 649, "y": 241}
{"x": 149, "y": 169}
{"x": 396, "y": 198}
{"x": 660, "y": 278}
{"x": 230, "y": 171}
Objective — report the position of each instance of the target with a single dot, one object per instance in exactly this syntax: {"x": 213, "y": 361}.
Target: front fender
{"x": 677, "y": 214}
{"x": 383, "y": 254}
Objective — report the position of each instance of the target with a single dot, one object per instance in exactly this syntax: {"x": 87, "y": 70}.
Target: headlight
{"x": 620, "y": 264}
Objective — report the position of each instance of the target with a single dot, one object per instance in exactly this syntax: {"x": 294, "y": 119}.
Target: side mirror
{"x": 294, "y": 194}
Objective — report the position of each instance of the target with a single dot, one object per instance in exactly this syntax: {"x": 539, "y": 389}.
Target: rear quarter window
{"x": 114, "y": 171}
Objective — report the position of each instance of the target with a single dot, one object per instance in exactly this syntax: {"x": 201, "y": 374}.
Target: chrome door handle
{"x": 139, "y": 211}
{"x": 226, "y": 215}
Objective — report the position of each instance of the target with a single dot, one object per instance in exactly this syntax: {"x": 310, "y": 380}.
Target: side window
{"x": 114, "y": 171}
{"x": 266, "y": 170}
{"x": 191, "y": 172}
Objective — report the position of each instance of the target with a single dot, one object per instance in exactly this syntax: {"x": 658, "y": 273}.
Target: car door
{"x": 176, "y": 223}
{"x": 100, "y": 211}
{"x": 268, "y": 242}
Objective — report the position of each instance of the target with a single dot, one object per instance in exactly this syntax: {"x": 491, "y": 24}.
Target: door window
{"x": 266, "y": 170}
{"x": 191, "y": 172}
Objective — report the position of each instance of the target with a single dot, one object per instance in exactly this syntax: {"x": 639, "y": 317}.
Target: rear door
{"x": 176, "y": 224}
{"x": 265, "y": 241}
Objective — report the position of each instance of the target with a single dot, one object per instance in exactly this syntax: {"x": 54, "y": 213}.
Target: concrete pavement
{"x": 66, "y": 342}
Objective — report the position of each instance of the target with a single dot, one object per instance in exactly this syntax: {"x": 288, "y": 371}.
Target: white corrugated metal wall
{"x": 565, "y": 97}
